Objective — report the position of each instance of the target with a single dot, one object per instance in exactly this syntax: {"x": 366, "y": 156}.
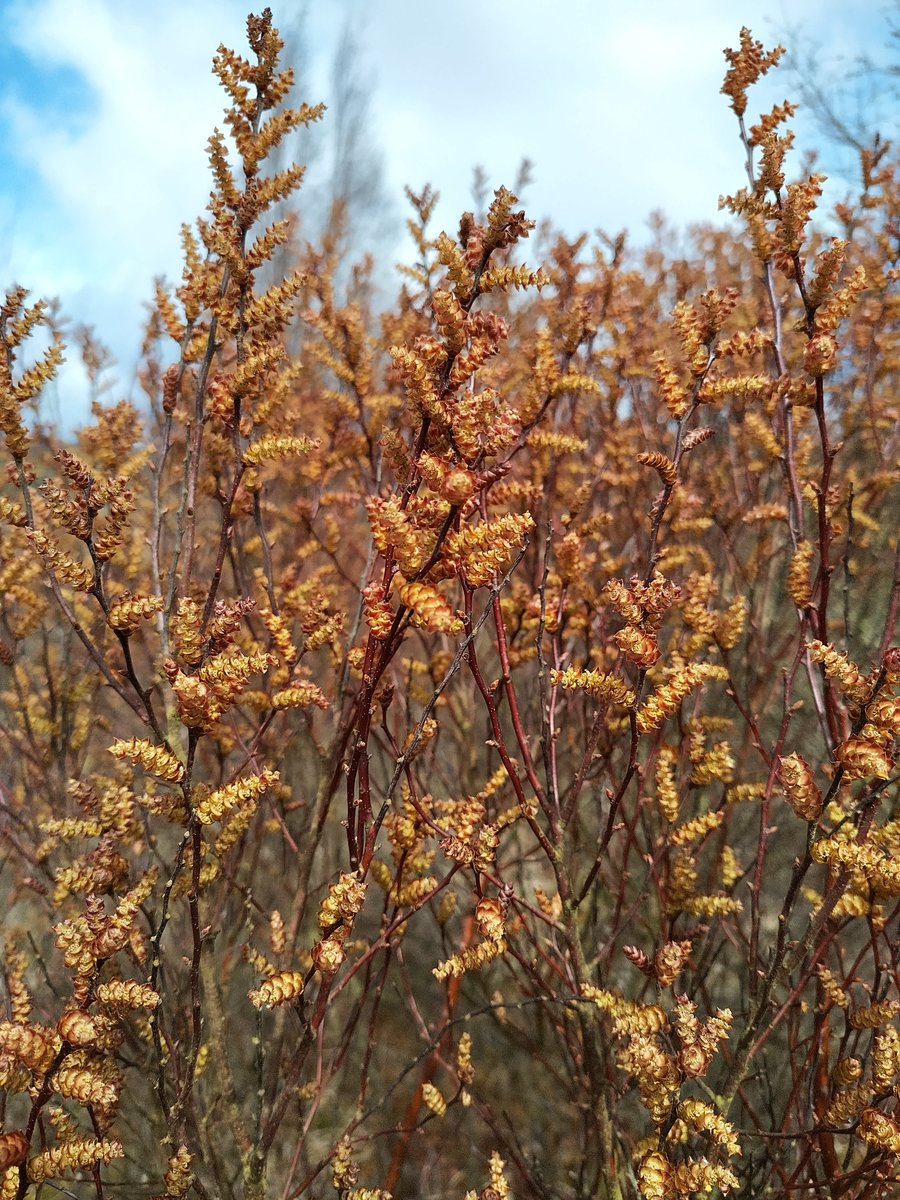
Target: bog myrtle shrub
{"x": 448, "y": 751}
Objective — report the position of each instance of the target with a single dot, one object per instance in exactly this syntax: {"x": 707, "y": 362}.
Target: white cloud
{"x": 617, "y": 105}
{"x": 116, "y": 185}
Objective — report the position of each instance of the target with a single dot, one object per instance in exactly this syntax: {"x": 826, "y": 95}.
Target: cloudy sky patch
{"x": 106, "y": 108}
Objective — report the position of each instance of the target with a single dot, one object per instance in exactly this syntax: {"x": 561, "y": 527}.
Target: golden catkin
{"x": 280, "y": 988}
{"x": 71, "y": 1156}
{"x": 155, "y": 760}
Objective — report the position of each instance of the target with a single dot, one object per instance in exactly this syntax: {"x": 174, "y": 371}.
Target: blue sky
{"x": 106, "y": 105}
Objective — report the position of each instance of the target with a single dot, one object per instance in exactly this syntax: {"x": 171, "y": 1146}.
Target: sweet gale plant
{"x": 449, "y": 751}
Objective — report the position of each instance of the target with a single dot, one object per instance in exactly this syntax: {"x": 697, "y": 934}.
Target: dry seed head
{"x": 847, "y": 1104}
{"x": 13, "y": 1149}
{"x": 490, "y": 917}
{"x": 820, "y": 355}
{"x": 638, "y": 646}
{"x": 328, "y": 955}
{"x": 704, "y": 1119}
{"x": 700, "y": 1175}
{"x": 873, "y": 1015}
{"x": 179, "y": 1176}
{"x": 344, "y": 900}
{"x": 126, "y": 612}
{"x": 660, "y": 463}
{"x": 884, "y": 714}
{"x": 879, "y": 1131}
{"x": 863, "y": 758}
{"x": 847, "y": 1071}
{"x": 672, "y": 391}
{"x": 81, "y": 1077}
{"x": 654, "y": 1174}
{"x": 77, "y": 1027}
{"x": 669, "y": 961}
{"x": 798, "y": 584}
{"x": 799, "y": 786}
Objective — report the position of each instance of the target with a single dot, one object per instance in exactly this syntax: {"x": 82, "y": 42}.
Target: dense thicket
{"x": 450, "y": 751}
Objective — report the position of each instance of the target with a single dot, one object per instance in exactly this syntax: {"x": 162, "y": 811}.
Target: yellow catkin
{"x": 66, "y": 569}
{"x": 798, "y": 583}
{"x": 471, "y": 959}
{"x": 299, "y": 695}
{"x": 665, "y": 701}
{"x": 70, "y": 1156}
{"x": 127, "y": 612}
{"x": 127, "y": 994}
{"x": 278, "y": 989}
{"x": 272, "y": 446}
{"x": 628, "y": 1016}
{"x": 277, "y": 933}
{"x": 244, "y": 791}
{"x": 696, "y": 829}
{"x": 666, "y": 787}
{"x": 597, "y": 684}
{"x": 155, "y": 760}
{"x": 434, "y": 1101}
{"x": 885, "y": 1058}
{"x": 430, "y": 609}
{"x": 839, "y": 666}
